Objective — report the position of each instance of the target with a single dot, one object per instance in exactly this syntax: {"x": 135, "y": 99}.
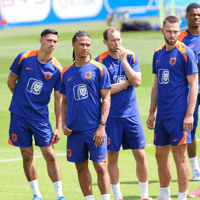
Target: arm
{"x": 188, "y": 120}
{"x": 133, "y": 77}
{"x": 118, "y": 87}
{"x": 12, "y": 81}
{"x": 57, "y": 110}
{"x": 100, "y": 132}
{"x": 154, "y": 97}
{"x": 66, "y": 130}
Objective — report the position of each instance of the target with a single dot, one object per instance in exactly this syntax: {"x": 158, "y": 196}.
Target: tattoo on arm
{"x": 12, "y": 74}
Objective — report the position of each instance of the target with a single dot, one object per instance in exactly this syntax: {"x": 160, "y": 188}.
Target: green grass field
{"x": 13, "y": 184}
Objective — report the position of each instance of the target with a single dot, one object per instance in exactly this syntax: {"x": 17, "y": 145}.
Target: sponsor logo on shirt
{"x": 172, "y": 61}
{"x": 69, "y": 153}
{"x": 48, "y": 75}
{"x": 80, "y": 92}
{"x": 14, "y": 137}
{"x": 34, "y": 86}
{"x": 163, "y": 76}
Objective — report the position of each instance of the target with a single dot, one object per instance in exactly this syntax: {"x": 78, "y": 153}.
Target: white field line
{"x": 61, "y": 154}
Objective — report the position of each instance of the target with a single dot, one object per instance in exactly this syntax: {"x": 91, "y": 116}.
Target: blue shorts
{"x": 193, "y": 132}
{"x": 127, "y": 132}
{"x": 22, "y": 129}
{"x": 79, "y": 144}
{"x": 169, "y": 130}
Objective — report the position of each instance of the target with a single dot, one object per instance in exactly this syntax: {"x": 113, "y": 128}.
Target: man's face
{"x": 48, "y": 42}
{"x": 171, "y": 31}
{"x": 193, "y": 17}
{"x": 82, "y": 46}
{"x": 113, "y": 41}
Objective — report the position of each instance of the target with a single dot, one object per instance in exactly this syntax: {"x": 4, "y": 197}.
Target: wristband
{"x": 152, "y": 110}
{"x": 102, "y": 122}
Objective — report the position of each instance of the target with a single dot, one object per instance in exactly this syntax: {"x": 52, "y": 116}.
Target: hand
{"x": 66, "y": 130}
{"x": 99, "y": 135}
{"x": 150, "y": 121}
{"x": 188, "y": 123}
{"x": 122, "y": 53}
{"x": 56, "y": 136}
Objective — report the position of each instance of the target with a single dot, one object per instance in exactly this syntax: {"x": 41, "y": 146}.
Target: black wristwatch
{"x": 102, "y": 122}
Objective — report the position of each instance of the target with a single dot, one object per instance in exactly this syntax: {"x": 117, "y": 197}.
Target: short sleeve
{"x": 133, "y": 61}
{"x": 105, "y": 79}
{"x": 190, "y": 64}
{"x": 17, "y": 64}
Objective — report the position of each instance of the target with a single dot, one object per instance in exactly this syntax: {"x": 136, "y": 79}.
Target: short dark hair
{"x": 192, "y": 5}
{"x": 79, "y": 34}
{"x": 171, "y": 19}
{"x": 49, "y": 31}
{"x": 107, "y": 30}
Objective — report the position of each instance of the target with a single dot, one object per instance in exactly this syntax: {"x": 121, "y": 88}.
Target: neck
{"x": 81, "y": 61}
{"x": 194, "y": 31}
{"x": 44, "y": 57}
{"x": 113, "y": 54}
{"x": 170, "y": 47}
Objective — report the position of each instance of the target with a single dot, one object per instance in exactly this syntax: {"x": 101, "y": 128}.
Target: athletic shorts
{"x": 127, "y": 132}
{"x": 193, "y": 132}
{"x": 169, "y": 130}
{"x": 22, "y": 129}
{"x": 81, "y": 144}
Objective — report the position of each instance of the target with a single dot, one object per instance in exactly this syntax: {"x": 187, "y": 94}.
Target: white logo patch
{"x": 34, "y": 86}
{"x": 80, "y": 92}
{"x": 119, "y": 79}
{"x": 163, "y": 76}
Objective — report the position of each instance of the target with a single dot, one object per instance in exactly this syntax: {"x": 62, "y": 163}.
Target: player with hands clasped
{"x": 174, "y": 66}
{"x": 32, "y": 77}
{"x": 85, "y": 86}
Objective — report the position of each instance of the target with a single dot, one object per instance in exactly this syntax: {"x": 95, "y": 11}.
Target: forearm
{"x": 12, "y": 81}
{"x": 192, "y": 99}
{"x": 57, "y": 109}
{"x": 133, "y": 77}
{"x": 64, "y": 111}
{"x": 154, "y": 98}
{"x": 118, "y": 87}
{"x": 105, "y": 108}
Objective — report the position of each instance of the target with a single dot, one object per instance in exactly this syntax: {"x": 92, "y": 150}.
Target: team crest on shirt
{"x": 14, "y": 137}
{"x": 88, "y": 75}
{"x": 163, "y": 76}
{"x": 80, "y": 92}
{"x": 34, "y": 86}
{"x": 172, "y": 61}
{"x": 48, "y": 75}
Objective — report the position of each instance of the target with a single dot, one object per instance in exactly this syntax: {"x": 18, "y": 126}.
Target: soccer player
{"x": 191, "y": 37}
{"x": 174, "y": 66}
{"x": 124, "y": 126}
{"x": 83, "y": 85}
{"x": 32, "y": 77}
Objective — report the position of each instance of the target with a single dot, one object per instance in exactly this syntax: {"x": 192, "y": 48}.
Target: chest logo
{"x": 48, "y": 75}
{"x": 80, "y": 92}
{"x": 34, "y": 86}
{"x": 172, "y": 61}
{"x": 88, "y": 75}
{"x": 163, "y": 76}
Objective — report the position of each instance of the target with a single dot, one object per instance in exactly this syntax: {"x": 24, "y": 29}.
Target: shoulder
{"x": 182, "y": 35}
{"x": 132, "y": 54}
{"x": 56, "y": 64}
{"x": 184, "y": 50}
{"x": 65, "y": 69}
{"x": 102, "y": 56}
{"x": 27, "y": 54}
{"x": 99, "y": 65}
{"x": 159, "y": 49}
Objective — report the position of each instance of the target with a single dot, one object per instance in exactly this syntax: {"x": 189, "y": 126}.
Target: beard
{"x": 170, "y": 43}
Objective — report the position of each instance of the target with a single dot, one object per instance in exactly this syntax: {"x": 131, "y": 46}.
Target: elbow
{"x": 135, "y": 83}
